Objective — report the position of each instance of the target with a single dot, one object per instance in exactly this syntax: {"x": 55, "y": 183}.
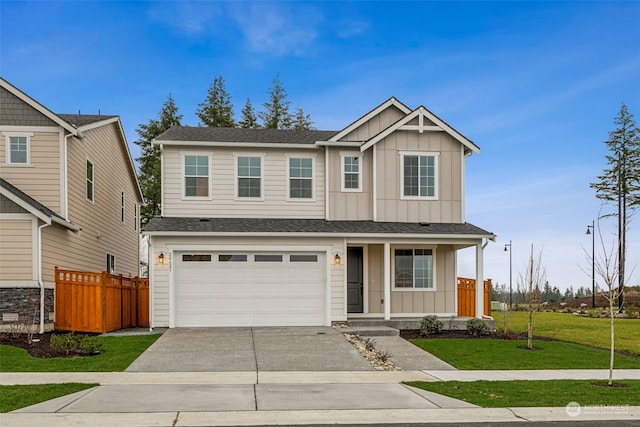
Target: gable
{"x": 9, "y": 206}
{"x": 15, "y": 112}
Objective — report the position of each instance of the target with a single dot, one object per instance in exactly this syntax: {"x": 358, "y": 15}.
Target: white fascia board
{"x": 26, "y": 206}
{"x": 66, "y": 224}
{"x": 98, "y": 124}
{"x": 340, "y": 143}
{"x": 234, "y": 144}
{"x": 380, "y": 108}
{"x": 37, "y": 106}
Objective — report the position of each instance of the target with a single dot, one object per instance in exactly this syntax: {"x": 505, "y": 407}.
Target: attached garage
{"x": 250, "y": 289}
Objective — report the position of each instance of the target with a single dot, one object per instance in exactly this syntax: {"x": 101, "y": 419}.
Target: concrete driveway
{"x": 250, "y": 349}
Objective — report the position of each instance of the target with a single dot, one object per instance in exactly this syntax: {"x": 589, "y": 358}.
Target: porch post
{"x": 479, "y": 281}
{"x": 387, "y": 281}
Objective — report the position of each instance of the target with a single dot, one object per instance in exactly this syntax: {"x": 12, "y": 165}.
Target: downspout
{"x": 65, "y": 171}
{"x": 40, "y": 281}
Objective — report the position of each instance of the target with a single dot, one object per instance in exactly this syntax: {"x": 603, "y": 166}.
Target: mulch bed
{"x": 410, "y": 334}
{"x": 41, "y": 348}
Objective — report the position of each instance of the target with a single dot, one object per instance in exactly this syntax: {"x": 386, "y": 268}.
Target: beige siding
{"x": 16, "y": 249}
{"x": 375, "y": 125}
{"x": 40, "y": 180}
{"x": 350, "y": 205}
{"x": 448, "y": 206}
{"x": 223, "y": 202}
{"x": 162, "y": 274}
{"x": 442, "y": 300}
{"x": 100, "y": 221}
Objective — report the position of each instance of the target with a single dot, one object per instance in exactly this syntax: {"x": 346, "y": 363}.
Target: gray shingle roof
{"x": 28, "y": 199}
{"x": 79, "y": 120}
{"x": 282, "y": 136}
{"x": 281, "y": 225}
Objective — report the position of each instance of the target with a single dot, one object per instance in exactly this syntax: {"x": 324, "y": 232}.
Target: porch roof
{"x": 265, "y": 226}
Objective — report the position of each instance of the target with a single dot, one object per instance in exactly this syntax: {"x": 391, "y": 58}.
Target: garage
{"x": 249, "y": 289}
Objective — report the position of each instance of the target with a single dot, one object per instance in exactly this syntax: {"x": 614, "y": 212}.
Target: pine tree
{"x": 249, "y": 119}
{"x": 149, "y": 160}
{"x": 620, "y": 183}
{"x": 276, "y": 114}
{"x": 301, "y": 120}
{"x": 217, "y": 110}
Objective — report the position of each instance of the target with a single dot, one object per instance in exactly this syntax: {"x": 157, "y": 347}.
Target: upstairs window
{"x": 351, "y": 172}
{"x": 18, "y": 153}
{"x": 122, "y": 211}
{"x": 249, "y": 171}
{"x": 300, "y": 178}
{"x": 419, "y": 175}
{"x": 196, "y": 176}
{"x": 90, "y": 181}
{"x": 414, "y": 268}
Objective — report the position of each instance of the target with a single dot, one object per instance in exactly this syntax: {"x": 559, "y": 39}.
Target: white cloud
{"x": 188, "y": 17}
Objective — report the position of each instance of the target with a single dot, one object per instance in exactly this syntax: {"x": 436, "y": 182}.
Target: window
{"x": 303, "y": 258}
{"x": 18, "y": 150}
{"x": 90, "y": 181}
{"x": 419, "y": 175}
{"x": 135, "y": 216}
{"x": 300, "y": 178}
{"x": 232, "y": 258}
{"x": 249, "y": 177}
{"x": 196, "y": 258}
{"x": 111, "y": 264}
{"x": 267, "y": 258}
{"x": 122, "y": 207}
{"x": 351, "y": 172}
{"x": 196, "y": 176}
{"x": 414, "y": 268}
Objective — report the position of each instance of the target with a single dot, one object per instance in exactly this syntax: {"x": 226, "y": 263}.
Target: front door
{"x": 354, "y": 280}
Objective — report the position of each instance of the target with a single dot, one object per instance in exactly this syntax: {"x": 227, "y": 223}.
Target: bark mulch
{"x": 39, "y": 346}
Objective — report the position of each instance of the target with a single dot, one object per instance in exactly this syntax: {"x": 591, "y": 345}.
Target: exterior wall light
{"x": 337, "y": 260}
{"x": 161, "y": 259}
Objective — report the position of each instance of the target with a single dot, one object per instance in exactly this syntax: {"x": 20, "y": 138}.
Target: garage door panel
{"x": 250, "y": 293}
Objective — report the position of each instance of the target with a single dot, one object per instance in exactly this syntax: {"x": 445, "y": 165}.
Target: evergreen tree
{"x": 216, "y": 110}
{"x": 149, "y": 160}
{"x": 249, "y": 119}
{"x": 620, "y": 183}
{"x": 276, "y": 114}
{"x": 301, "y": 120}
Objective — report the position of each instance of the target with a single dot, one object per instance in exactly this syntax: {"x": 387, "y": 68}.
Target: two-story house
{"x": 69, "y": 197}
{"x": 264, "y": 227}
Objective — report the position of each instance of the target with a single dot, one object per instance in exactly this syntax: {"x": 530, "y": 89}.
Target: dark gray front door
{"x": 354, "y": 280}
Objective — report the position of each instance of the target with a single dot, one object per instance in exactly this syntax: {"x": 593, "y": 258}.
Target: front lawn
{"x": 20, "y": 396}
{"x": 505, "y": 354}
{"x": 555, "y": 393}
{"x": 118, "y": 354}
{"x": 578, "y": 329}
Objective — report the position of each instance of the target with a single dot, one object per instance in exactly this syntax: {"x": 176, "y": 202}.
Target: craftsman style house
{"x": 263, "y": 227}
{"x": 69, "y": 197}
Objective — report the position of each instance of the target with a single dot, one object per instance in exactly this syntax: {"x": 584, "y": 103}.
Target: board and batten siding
{"x": 350, "y": 205}
{"x": 16, "y": 248}
{"x": 391, "y": 206}
{"x": 41, "y": 178}
{"x": 100, "y": 220}
{"x": 222, "y": 201}
{"x": 375, "y": 125}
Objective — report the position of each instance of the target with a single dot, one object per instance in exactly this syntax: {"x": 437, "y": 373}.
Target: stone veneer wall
{"x": 26, "y": 303}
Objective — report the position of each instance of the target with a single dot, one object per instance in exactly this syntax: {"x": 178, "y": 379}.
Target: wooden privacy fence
{"x": 467, "y": 297}
{"x": 100, "y": 302}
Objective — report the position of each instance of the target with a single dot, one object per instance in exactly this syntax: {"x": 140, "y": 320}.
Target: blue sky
{"x": 535, "y": 84}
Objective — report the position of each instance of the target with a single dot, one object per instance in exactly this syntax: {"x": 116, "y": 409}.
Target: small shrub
{"x": 384, "y": 356}
{"x": 369, "y": 344}
{"x": 593, "y": 313}
{"x": 477, "y": 327}
{"x": 430, "y": 325}
{"x": 73, "y": 343}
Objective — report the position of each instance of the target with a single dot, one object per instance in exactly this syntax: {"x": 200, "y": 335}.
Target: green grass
{"x": 582, "y": 330}
{"x": 505, "y": 354}
{"x": 19, "y": 396}
{"x": 118, "y": 354}
{"x": 555, "y": 393}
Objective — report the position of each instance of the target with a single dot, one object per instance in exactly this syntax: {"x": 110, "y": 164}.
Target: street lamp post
{"x": 591, "y": 230}
{"x": 510, "y": 274}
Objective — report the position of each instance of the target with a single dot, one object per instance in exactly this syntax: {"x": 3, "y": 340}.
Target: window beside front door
{"x": 419, "y": 175}
{"x": 196, "y": 176}
{"x": 414, "y": 268}
{"x": 300, "y": 178}
{"x": 249, "y": 173}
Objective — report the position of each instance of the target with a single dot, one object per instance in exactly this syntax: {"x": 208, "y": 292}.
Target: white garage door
{"x": 249, "y": 289}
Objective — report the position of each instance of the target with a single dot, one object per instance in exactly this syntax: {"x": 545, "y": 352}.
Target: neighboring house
{"x": 69, "y": 197}
{"x": 263, "y": 227}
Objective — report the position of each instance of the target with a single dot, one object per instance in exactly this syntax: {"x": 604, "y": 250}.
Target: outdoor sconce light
{"x": 337, "y": 260}
{"x": 161, "y": 259}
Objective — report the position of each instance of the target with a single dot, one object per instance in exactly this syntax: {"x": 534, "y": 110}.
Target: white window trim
{"x": 109, "y": 257}
{"x": 436, "y": 156}
{"x": 93, "y": 181}
{"x": 135, "y": 216}
{"x": 359, "y": 155}
{"x": 7, "y": 139}
{"x": 236, "y": 156}
{"x": 288, "y": 157}
{"x": 393, "y": 268}
{"x": 184, "y": 154}
{"x": 123, "y": 211}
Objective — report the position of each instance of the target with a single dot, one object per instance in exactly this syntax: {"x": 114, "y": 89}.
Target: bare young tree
{"x": 532, "y": 280}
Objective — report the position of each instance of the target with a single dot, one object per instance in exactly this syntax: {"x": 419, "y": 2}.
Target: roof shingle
{"x": 282, "y": 136}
